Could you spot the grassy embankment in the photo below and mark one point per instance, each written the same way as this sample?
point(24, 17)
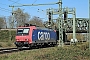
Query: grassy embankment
point(5, 40)
point(52, 53)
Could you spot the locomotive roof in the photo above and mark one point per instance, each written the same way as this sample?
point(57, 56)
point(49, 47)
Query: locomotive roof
point(42, 28)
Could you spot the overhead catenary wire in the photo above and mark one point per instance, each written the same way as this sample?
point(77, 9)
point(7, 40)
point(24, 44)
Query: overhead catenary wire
point(34, 1)
point(15, 2)
point(30, 7)
point(39, 10)
point(3, 4)
point(5, 10)
point(18, 1)
point(21, 4)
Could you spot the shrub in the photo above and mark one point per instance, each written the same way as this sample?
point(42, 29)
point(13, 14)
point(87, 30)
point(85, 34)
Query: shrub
point(5, 35)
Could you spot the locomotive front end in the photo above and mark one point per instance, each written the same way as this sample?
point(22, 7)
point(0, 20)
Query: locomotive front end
point(22, 37)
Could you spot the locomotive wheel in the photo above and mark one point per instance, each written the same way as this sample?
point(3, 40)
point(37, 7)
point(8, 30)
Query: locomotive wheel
point(20, 48)
point(30, 47)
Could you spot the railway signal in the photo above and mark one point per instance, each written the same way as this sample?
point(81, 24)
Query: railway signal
point(65, 16)
point(49, 16)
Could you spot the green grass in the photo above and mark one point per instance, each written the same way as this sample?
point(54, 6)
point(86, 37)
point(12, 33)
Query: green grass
point(7, 44)
point(52, 53)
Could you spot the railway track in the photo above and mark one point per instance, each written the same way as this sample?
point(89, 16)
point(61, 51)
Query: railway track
point(8, 50)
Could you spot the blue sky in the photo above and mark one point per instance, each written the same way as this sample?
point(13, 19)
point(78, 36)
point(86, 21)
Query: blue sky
point(80, 5)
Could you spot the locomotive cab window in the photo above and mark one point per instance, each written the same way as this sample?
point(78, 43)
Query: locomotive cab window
point(23, 31)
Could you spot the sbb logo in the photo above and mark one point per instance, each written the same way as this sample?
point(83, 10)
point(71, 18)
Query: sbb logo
point(43, 36)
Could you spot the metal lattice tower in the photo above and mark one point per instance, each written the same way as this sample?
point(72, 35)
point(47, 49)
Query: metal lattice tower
point(60, 22)
point(89, 24)
point(74, 24)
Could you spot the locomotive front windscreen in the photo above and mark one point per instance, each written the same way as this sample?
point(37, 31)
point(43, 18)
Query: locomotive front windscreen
point(23, 31)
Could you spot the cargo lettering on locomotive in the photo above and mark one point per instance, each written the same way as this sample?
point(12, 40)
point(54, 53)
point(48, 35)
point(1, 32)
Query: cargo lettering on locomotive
point(43, 35)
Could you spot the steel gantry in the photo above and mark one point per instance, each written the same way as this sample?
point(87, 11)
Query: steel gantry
point(68, 24)
point(63, 22)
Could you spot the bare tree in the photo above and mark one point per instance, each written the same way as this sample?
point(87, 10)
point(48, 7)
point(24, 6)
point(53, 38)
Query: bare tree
point(5, 26)
point(21, 17)
point(11, 23)
point(36, 21)
point(2, 22)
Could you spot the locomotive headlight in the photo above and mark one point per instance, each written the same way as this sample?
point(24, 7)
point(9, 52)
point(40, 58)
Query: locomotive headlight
point(17, 39)
point(26, 39)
